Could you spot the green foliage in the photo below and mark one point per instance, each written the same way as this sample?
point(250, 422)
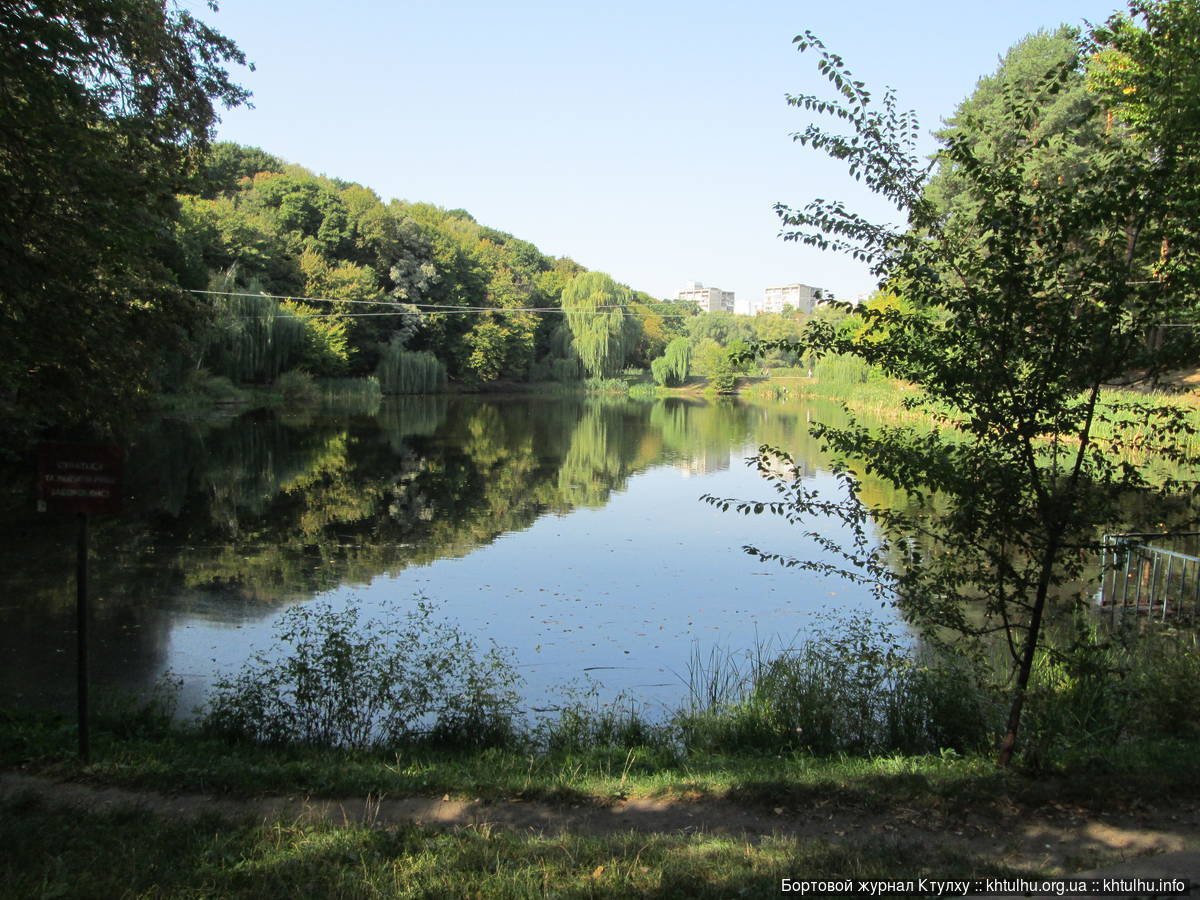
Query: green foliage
point(852, 689)
point(254, 339)
point(104, 106)
point(298, 388)
point(1033, 285)
point(584, 722)
point(660, 371)
point(722, 327)
point(718, 364)
point(360, 396)
point(602, 331)
point(226, 164)
point(404, 372)
point(643, 391)
point(707, 357)
point(1066, 133)
point(337, 682)
point(1110, 687)
point(722, 381)
point(842, 369)
point(606, 385)
point(671, 369)
point(327, 347)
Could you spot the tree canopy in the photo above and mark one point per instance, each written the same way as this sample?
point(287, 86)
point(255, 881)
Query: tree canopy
point(603, 332)
point(106, 106)
point(1045, 274)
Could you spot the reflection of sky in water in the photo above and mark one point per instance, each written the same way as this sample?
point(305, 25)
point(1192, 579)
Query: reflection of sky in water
point(625, 591)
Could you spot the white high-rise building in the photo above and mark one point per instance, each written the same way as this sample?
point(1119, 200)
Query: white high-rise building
point(798, 296)
point(709, 299)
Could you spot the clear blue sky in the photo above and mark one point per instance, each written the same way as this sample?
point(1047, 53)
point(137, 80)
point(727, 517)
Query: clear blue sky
point(646, 139)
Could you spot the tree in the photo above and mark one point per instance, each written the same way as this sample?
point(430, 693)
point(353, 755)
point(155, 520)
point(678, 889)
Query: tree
point(671, 369)
point(982, 119)
point(1029, 295)
point(105, 106)
point(722, 327)
point(226, 164)
point(602, 330)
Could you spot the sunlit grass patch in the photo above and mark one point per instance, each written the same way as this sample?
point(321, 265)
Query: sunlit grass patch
point(71, 852)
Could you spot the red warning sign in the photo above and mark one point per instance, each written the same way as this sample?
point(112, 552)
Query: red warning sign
point(79, 478)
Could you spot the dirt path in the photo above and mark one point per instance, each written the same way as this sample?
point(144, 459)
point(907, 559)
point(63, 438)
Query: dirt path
point(1057, 839)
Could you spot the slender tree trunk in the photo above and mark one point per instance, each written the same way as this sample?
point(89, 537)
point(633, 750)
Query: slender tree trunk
point(1029, 651)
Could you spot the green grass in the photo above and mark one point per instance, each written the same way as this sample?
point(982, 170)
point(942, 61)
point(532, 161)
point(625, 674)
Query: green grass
point(176, 758)
point(126, 853)
point(51, 851)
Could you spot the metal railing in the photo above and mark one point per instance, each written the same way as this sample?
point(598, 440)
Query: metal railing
point(1153, 574)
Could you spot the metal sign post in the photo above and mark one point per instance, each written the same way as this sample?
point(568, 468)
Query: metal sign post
point(81, 642)
point(84, 479)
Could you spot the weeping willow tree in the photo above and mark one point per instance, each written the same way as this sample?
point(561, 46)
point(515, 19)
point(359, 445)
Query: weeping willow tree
point(603, 330)
point(406, 372)
point(253, 339)
point(598, 460)
point(671, 369)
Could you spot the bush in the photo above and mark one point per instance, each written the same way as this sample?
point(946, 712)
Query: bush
point(339, 683)
point(643, 391)
point(1105, 689)
point(606, 386)
point(298, 388)
point(722, 382)
point(854, 689)
point(217, 388)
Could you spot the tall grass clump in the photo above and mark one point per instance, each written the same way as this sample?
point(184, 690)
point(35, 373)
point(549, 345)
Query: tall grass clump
point(333, 681)
point(403, 372)
point(854, 689)
point(606, 386)
point(643, 391)
point(358, 395)
point(843, 369)
point(1106, 689)
point(585, 722)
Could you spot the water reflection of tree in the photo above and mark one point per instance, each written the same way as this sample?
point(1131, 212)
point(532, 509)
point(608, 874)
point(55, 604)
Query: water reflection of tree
point(229, 517)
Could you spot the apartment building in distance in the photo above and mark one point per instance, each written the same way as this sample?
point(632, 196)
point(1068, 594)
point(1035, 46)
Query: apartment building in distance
point(708, 299)
point(798, 296)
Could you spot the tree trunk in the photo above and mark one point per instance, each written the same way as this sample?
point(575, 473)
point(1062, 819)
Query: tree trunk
point(1009, 744)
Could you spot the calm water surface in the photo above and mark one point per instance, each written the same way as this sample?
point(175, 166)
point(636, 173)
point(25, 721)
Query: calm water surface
point(568, 530)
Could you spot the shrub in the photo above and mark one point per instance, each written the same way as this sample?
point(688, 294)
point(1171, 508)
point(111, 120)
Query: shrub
point(217, 388)
point(298, 388)
point(338, 683)
point(853, 689)
point(723, 381)
point(643, 391)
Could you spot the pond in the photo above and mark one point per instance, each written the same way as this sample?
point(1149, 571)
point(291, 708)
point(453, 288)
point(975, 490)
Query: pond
point(568, 530)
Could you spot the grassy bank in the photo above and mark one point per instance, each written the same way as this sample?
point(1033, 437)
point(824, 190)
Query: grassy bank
point(732, 797)
point(172, 758)
point(834, 817)
point(408, 705)
point(126, 853)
